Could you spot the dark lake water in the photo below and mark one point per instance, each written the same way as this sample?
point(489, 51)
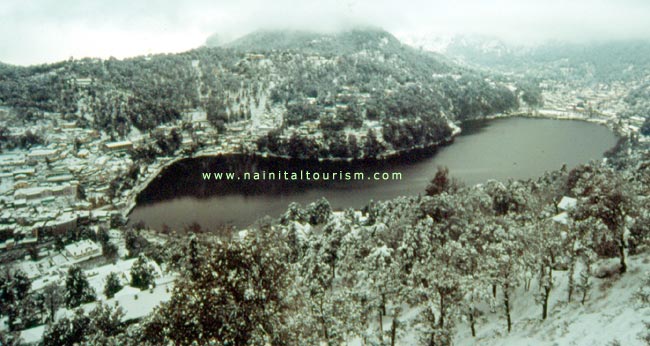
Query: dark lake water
point(496, 149)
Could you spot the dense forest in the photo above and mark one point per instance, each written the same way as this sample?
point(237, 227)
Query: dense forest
point(315, 276)
point(340, 80)
point(450, 258)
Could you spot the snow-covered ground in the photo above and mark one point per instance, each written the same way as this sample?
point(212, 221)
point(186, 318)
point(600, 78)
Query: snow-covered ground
point(134, 302)
point(610, 314)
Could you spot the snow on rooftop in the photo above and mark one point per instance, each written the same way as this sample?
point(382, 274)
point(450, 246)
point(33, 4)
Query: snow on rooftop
point(30, 268)
point(562, 218)
point(32, 335)
point(42, 152)
point(118, 145)
point(12, 157)
point(567, 203)
point(58, 260)
point(83, 248)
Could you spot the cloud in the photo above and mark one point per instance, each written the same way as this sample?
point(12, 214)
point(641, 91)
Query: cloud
point(39, 31)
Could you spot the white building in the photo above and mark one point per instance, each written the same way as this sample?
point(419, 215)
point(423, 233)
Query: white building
point(116, 146)
point(565, 205)
point(32, 193)
point(12, 160)
point(84, 249)
point(43, 154)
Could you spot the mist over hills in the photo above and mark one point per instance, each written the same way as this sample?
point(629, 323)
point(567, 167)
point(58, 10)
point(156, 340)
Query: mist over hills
point(461, 263)
point(338, 43)
point(589, 61)
point(340, 80)
point(344, 42)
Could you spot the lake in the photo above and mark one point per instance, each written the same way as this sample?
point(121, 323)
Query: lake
point(518, 148)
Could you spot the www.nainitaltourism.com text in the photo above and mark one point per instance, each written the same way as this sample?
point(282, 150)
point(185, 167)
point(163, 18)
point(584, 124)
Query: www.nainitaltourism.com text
point(302, 175)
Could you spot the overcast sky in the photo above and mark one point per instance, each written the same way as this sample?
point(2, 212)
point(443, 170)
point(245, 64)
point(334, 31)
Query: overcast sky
point(36, 31)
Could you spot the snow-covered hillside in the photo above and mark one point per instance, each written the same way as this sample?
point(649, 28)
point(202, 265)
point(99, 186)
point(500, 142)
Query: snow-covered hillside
point(611, 313)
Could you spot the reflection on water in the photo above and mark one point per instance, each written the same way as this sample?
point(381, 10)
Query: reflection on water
point(498, 149)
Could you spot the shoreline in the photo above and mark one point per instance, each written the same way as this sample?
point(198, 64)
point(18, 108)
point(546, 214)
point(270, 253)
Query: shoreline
point(556, 114)
point(551, 114)
point(133, 193)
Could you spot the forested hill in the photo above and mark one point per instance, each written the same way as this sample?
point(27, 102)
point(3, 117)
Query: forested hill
point(601, 62)
point(342, 43)
point(338, 80)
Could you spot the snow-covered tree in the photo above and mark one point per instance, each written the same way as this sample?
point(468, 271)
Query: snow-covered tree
point(135, 242)
point(14, 289)
point(506, 198)
point(319, 211)
point(438, 279)
point(548, 248)
point(609, 197)
point(239, 298)
point(100, 326)
point(105, 322)
point(331, 311)
point(380, 283)
point(112, 285)
point(143, 273)
point(67, 331)
point(52, 297)
point(78, 290)
point(294, 213)
point(442, 182)
point(194, 259)
point(505, 258)
point(640, 229)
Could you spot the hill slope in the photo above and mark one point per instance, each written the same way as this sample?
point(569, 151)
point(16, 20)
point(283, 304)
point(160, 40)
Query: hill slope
point(340, 81)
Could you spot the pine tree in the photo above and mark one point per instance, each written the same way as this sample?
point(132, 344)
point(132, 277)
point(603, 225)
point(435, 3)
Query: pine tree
point(319, 211)
point(372, 147)
point(584, 285)
point(353, 146)
point(14, 289)
point(294, 213)
point(135, 243)
point(52, 298)
point(112, 285)
point(547, 246)
point(195, 259)
point(78, 290)
point(382, 286)
point(142, 273)
point(67, 331)
point(507, 255)
point(442, 182)
point(101, 326)
point(106, 321)
point(609, 197)
point(239, 298)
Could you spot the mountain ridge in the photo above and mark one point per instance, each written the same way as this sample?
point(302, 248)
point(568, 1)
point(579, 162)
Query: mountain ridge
point(283, 79)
